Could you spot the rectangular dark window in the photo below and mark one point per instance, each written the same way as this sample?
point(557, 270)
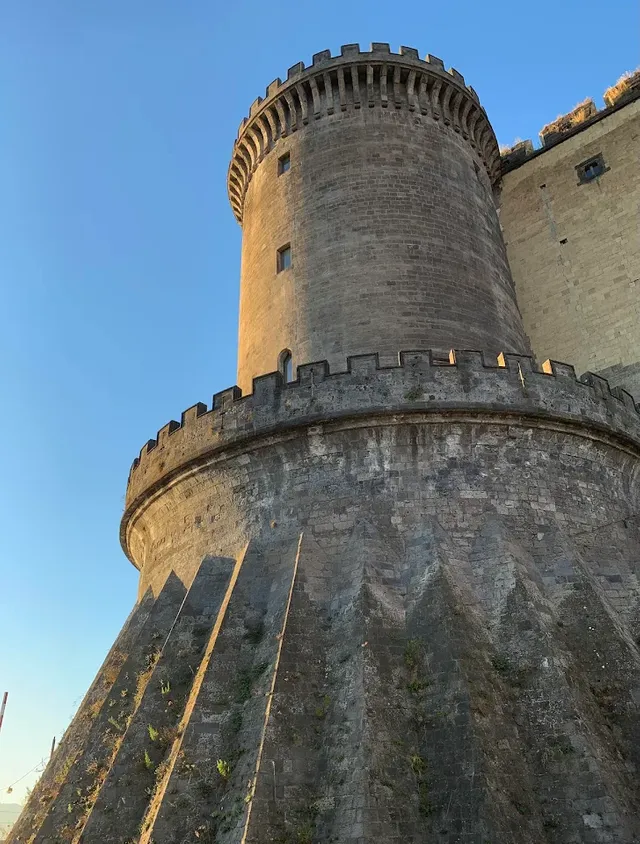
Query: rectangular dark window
point(591, 169)
point(283, 260)
point(285, 365)
point(284, 163)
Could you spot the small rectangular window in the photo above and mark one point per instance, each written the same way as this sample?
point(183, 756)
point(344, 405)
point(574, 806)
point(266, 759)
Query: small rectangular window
point(284, 163)
point(591, 169)
point(283, 261)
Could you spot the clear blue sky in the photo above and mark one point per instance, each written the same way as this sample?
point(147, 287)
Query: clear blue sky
point(119, 260)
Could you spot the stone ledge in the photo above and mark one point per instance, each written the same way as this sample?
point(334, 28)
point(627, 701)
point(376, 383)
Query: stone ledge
point(428, 381)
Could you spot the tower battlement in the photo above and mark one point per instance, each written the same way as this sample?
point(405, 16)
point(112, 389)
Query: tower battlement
point(425, 382)
point(358, 79)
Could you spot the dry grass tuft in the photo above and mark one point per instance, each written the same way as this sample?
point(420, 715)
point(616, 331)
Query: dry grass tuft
point(63, 772)
point(583, 111)
point(167, 736)
point(506, 149)
point(94, 709)
point(628, 80)
point(142, 681)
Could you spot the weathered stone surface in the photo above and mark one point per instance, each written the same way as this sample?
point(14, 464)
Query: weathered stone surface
point(69, 811)
point(154, 727)
point(388, 209)
point(72, 745)
point(468, 678)
point(423, 383)
point(574, 248)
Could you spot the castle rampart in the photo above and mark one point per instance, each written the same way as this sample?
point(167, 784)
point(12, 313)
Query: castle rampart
point(492, 512)
point(425, 388)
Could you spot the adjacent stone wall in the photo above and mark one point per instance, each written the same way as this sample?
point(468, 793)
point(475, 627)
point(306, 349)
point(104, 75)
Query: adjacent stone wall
point(574, 249)
point(627, 377)
point(388, 211)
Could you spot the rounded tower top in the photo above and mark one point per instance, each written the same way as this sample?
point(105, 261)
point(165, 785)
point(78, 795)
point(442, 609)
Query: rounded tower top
point(359, 79)
point(364, 186)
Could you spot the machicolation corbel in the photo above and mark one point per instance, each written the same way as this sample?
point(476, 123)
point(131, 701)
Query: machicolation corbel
point(376, 77)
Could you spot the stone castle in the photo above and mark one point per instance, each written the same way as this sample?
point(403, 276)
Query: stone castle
point(389, 584)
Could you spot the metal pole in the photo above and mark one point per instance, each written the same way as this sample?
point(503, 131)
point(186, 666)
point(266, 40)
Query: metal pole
point(53, 746)
point(4, 705)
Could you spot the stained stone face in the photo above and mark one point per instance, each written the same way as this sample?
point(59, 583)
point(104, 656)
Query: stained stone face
point(410, 629)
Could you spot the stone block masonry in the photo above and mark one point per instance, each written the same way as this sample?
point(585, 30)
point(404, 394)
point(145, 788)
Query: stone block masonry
point(466, 527)
point(430, 384)
point(457, 657)
point(574, 248)
point(387, 208)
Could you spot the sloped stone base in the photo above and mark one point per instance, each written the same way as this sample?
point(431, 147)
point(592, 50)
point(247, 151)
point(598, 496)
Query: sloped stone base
point(364, 691)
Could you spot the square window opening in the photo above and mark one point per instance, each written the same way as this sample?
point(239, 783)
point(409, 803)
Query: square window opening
point(591, 169)
point(284, 163)
point(283, 259)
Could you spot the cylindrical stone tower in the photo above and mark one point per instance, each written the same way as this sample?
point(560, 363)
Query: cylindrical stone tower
point(363, 185)
point(391, 596)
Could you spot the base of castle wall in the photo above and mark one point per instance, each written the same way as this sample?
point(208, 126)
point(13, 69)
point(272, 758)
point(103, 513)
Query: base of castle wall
point(391, 628)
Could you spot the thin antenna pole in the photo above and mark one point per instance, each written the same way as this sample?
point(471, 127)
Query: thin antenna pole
point(4, 706)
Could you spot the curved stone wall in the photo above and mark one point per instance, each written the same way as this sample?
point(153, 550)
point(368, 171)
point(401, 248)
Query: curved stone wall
point(251, 458)
point(388, 212)
point(502, 545)
point(431, 620)
point(395, 470)
point(423, 381)
point(359, 79)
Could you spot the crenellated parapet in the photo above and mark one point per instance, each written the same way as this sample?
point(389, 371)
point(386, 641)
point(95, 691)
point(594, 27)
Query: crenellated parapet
point(624, 89)
point(354, 80)
point(565, 123)
point(586, 113)
point(423, 382)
